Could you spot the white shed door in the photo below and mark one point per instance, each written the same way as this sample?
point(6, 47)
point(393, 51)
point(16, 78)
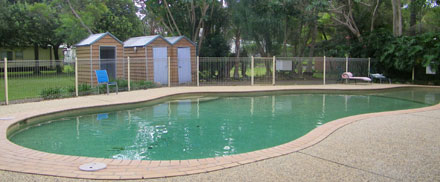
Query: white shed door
point(184, 62)
point(160, 62)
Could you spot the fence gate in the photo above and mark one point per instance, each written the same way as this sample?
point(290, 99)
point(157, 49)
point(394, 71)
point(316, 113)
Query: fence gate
point(184, 62)
point(160, 62)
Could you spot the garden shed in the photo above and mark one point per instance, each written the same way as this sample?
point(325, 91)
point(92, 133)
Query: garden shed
point(183, 60)
point(101, 51)
point(148, 58)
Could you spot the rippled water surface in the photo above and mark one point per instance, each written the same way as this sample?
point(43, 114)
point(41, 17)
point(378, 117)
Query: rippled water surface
point(209, 126)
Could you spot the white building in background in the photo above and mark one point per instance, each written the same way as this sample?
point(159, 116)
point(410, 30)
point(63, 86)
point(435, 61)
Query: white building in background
point(69, 54)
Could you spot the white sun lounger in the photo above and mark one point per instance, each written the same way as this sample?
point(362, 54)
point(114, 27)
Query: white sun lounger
point(349, 76)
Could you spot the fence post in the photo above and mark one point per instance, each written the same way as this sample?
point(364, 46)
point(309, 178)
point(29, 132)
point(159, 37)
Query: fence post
point(369, 66)
point(323, 73)
point(6, 81)
point(128, 72)
point(346, 67)
point(273, 70)
point(169, 72)
point(198, 71)
point(252, 70)
point(76, 77)
point(412, 77)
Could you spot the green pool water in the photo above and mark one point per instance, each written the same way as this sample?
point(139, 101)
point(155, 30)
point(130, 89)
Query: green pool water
point(208, 126)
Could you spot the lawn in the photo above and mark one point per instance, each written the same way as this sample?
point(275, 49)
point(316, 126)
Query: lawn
point(30, 86)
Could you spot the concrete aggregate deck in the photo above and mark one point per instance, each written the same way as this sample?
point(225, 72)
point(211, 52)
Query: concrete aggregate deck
point(390, 146)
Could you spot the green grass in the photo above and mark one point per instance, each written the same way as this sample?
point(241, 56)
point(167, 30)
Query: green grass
point(31, 86)
point(258, 71)
point(318, 75)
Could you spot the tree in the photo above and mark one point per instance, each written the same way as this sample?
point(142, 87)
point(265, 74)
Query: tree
point(79, 17)
point(120, 19)
point(41, 23)
point(237, 12)
point(191, 15)
point(82, 17)
point(397, 18)
point(344, 11)
point(431, 20)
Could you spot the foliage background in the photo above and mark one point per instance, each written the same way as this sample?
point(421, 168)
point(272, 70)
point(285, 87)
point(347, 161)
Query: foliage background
point(294, 28)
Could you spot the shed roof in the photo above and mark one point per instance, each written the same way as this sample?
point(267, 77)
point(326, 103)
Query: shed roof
point(142, 41)
point(94, 38)
point(174, 40)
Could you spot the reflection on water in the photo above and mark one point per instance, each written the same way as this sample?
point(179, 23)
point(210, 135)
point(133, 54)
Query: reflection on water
point(208, 127)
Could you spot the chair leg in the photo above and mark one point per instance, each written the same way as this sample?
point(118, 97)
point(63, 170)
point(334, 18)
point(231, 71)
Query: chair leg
point(107, 90)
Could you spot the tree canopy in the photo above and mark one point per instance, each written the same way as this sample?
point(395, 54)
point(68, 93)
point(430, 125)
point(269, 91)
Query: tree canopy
point(400, 33)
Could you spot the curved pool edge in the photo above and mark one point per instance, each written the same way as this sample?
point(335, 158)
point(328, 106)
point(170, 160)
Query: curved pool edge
point(19, 159)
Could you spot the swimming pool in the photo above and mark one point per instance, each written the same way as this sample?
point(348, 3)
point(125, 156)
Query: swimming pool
point(190, 127)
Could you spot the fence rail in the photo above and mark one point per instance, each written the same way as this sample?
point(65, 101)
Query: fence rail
point(30, 80)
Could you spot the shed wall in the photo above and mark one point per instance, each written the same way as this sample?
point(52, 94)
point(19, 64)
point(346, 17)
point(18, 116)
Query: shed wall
point(138, 63)
point(83, 56)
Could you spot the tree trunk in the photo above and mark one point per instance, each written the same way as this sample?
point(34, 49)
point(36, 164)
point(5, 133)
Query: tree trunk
point(413, 18)
point(199, 47)
point(312, 47)
point(200, 26)
point(244, 68)
point(57, 58)
point(300, 45)
point(172, 17)
point(237, 54)
point(374, 15)
point(50, 57)
point(397, 18)
point(285, 37)
point(79, 18)
point(37, 57)
point(301, 54)
point(270, 54)
point(346, 18)
point(296, 49)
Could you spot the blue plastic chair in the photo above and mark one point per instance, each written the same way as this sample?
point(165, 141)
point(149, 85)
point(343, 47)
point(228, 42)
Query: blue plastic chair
point(102, 77)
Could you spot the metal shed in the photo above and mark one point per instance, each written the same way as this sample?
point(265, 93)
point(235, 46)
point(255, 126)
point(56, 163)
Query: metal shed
point(148, 58)
point(99, 51)
point(183, 60)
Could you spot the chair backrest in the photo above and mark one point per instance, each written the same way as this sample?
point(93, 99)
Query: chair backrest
point(102, 76)
point(347, 75)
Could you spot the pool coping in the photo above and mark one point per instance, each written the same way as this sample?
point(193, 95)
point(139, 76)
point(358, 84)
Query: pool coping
point(19, 159)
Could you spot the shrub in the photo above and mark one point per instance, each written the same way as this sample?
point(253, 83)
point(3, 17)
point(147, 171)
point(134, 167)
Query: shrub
point(142, 85)
point(83, 89)
point(122, 84)
point(52, 93)
point(68, 69)
point(135, 85)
